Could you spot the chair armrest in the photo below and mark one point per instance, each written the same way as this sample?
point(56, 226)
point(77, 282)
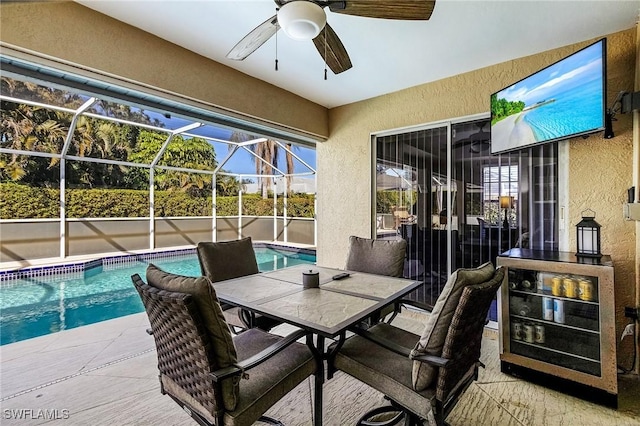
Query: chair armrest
point(398, 349)
point(398, 303)
point(419, 305)
point(380, 341)
point(436, 361)
point(259, 358)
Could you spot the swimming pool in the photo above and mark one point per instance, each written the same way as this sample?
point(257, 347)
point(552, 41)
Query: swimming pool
point(39, 305)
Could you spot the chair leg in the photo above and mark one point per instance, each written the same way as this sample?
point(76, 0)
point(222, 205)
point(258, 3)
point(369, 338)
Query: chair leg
point(367, 418)
point(410, 419)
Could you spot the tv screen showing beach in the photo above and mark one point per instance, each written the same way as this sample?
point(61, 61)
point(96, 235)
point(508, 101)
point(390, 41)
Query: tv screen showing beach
point(563, 100)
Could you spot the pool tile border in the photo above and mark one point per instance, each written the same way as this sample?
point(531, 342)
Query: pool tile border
point(78, 269)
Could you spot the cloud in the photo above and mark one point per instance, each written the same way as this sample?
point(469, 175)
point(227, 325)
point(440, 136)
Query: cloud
point(542, 91)
point(570, 75)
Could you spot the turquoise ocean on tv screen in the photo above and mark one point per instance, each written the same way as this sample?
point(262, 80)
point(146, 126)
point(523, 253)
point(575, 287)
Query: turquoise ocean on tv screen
point(575, 111)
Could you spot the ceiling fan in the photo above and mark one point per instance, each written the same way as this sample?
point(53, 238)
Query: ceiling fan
point(477, 142)
point(306, 20)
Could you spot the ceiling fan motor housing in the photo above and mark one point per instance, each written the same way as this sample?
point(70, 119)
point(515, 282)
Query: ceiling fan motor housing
point(301, 19)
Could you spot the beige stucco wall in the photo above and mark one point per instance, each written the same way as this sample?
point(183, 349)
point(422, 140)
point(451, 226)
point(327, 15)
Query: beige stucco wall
point(74, 35)
point(600, 171)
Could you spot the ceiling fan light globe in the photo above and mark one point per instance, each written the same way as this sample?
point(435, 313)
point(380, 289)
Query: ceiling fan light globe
point(302, 20)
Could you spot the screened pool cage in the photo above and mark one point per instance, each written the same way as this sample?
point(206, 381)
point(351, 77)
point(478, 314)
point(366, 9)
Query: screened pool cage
point(86, 160)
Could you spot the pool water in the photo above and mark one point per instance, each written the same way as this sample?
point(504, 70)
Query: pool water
point(37, 306)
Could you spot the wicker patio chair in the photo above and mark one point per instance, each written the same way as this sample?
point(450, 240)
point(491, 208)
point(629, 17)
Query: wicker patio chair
point(424, 376)
point(225, 260)
point(216, 378)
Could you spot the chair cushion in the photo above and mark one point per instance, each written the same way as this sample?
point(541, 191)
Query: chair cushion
point(224, 260)
point(384, 370)
point(381, 257)
point(437, 326)
point(204, 295)
point(269, 381)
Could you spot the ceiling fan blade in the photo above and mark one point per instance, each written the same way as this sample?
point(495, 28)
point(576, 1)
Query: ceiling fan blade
point(256, 38)
point(385, 9)
point(336, 57)
point(478, 147)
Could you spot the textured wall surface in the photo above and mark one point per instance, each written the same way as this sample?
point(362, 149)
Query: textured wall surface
point(74, 34)
point(600, 170)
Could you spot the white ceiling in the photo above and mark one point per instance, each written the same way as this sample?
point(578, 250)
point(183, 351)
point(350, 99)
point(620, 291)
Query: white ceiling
point(387, 55)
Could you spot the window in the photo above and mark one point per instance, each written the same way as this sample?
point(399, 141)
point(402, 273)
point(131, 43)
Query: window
point(500, 195)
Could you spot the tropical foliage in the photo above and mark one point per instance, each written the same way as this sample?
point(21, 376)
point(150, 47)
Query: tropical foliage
point(26, 202)
point(194, 153)
point(502, 108)
point(34, 128)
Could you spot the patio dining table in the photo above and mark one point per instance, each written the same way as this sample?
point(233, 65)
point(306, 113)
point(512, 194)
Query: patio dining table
point(326, 311)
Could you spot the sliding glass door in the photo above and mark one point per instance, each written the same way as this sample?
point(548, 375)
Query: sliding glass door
point(439, 188)
point(413, 196)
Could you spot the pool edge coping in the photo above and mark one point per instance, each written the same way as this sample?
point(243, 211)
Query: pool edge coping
point(81, 266)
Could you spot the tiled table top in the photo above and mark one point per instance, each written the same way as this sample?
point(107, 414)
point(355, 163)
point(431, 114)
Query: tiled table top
point(327, 310)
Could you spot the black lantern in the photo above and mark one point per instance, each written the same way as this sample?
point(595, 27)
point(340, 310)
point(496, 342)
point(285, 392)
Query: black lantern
point(588, 233)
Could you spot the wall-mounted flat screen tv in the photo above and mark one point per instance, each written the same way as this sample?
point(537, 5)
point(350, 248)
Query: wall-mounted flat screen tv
point(561, 101)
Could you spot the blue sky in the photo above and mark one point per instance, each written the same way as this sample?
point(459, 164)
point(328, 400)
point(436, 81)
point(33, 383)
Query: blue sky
point(574, 70)
point(242, 161)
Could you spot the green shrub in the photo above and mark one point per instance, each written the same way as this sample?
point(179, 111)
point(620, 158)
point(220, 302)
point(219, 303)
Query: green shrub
point(107, 203)
point(26, 202)
point(227, 206)
point(178, 203)
point(387, 200)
